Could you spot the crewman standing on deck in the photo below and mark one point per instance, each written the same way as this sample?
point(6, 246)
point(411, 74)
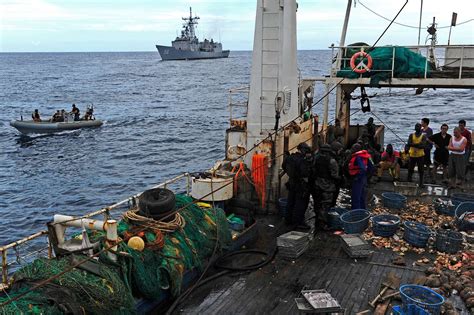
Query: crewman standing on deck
point(417, 145)
point(457, 163)
point(466, 133)
point(338, 151)
point(326, 176)
point(428, 132)
point(360, 166)
point(298, 167)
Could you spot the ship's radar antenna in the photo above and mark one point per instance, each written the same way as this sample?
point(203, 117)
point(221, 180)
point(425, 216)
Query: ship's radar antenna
point(190, 23)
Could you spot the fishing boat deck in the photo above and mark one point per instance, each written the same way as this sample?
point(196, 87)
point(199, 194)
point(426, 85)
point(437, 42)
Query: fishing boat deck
point(273, 288)
point(325, 265)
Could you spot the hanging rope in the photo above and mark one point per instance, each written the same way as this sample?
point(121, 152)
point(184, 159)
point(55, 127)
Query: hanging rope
point(259, 176)
point(396, 135)
point(240, 173)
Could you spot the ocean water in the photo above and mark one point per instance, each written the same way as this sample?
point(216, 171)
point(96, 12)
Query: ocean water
point(161, 119)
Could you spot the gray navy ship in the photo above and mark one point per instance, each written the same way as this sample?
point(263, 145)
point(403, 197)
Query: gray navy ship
point(187, 46)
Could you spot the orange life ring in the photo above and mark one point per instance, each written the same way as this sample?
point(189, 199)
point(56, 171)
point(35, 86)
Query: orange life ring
point(361, 67)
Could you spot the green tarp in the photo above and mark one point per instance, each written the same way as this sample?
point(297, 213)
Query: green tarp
point(408, 64)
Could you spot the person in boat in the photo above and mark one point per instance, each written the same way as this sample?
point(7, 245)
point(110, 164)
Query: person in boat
point(440, 141)
point(389, 162)
point(88, 115)
point(36, 116)
point(428, 132)
point(297, 166)
point(466, 133)
point(417, 145)
point(76, 112)
point(56, 116)
point(360, 165)
point(457, 162)
point(326, 176)
point(63, 115)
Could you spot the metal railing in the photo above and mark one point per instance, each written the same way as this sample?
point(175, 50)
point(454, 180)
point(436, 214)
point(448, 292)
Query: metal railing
point(12, 254)
point(238, 101)
point(450, 62)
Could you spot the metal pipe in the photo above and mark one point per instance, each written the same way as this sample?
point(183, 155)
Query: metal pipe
point(4, 267)
point(344, 32)
point(461, 62)
point(71, 221)
point(23, 240)
point(393, 60)
point(419, 25)
point(112, 237)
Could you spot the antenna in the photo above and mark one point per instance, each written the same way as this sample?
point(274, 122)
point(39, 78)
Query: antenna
point(453, 23)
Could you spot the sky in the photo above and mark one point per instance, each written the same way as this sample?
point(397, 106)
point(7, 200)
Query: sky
point(137, 25)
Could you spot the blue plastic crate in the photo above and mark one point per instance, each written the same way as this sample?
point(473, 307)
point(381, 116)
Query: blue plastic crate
point(458, 198)
point(355, 221)
point(394, 200)
point(444, 206)
point(385, 225)
point(409, 310)
point(421, 296)
point(462, 210)
point(416, 234)
point(448, 241)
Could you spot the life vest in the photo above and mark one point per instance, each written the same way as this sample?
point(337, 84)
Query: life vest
point(415, 152)
point(353, 167)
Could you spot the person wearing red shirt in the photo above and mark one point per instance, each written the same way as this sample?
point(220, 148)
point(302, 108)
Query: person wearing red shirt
point(389, 162)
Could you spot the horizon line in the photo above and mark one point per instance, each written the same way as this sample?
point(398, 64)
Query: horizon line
point(119, 51)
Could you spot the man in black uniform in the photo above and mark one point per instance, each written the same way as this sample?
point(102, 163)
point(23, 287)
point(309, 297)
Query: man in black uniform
point(297, 166)
point(326, 175)
point(338, 154)
point(76, 112)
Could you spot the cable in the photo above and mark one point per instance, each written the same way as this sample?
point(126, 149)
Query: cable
point(391, 22)
point(220, 261)
point(228, 269)
point(396, 135)
point(406, 25)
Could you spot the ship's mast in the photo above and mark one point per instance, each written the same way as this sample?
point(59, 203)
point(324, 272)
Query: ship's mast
point(190, 22)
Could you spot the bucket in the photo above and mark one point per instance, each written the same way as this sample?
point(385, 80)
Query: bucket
point(422, 296)
point(355, 221)
point(416, 234)
point(448, 241)
point(385, 225)
point(444, 206)
point(465, 216)
point(394, 200)
point(458, 198)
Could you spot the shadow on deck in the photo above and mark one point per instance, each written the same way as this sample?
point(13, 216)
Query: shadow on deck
point(273, 288)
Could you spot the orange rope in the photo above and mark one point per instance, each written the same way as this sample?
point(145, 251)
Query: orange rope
point(259, 176)
point(240, 173)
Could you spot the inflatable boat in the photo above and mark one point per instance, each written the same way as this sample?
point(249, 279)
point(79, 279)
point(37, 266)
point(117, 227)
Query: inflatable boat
point(29, 126)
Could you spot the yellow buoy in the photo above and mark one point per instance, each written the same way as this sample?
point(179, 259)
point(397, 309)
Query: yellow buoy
point(136, 243)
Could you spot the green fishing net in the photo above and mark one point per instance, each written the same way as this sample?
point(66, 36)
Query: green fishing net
point(107, 287)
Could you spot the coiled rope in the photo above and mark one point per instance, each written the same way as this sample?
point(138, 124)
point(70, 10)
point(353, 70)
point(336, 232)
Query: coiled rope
point(178, 222)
